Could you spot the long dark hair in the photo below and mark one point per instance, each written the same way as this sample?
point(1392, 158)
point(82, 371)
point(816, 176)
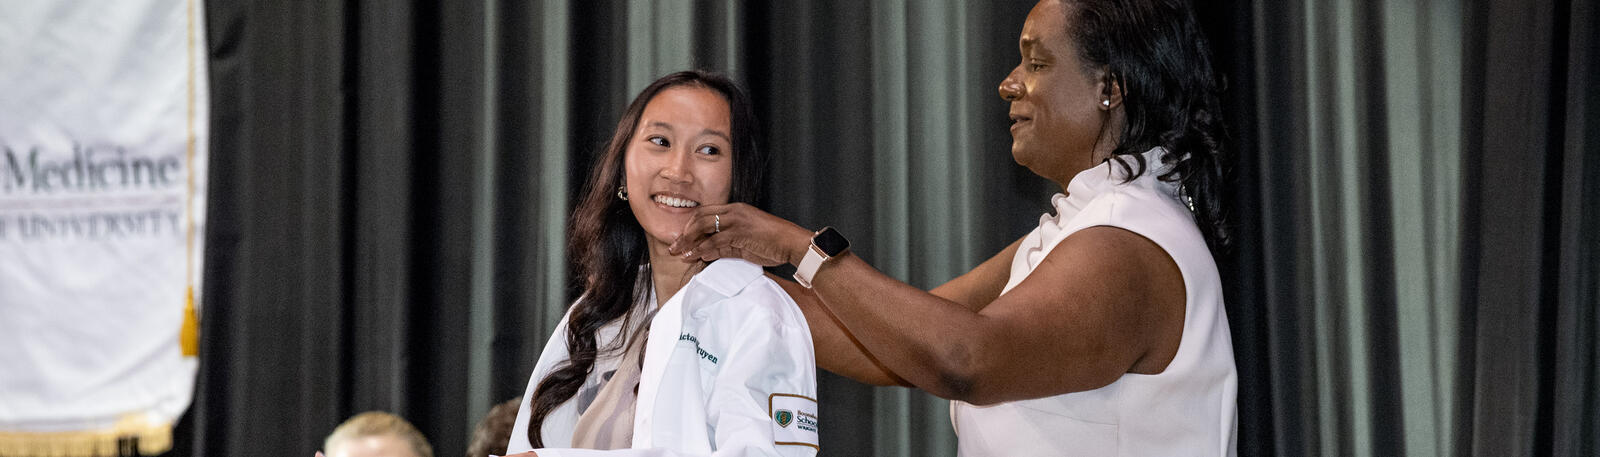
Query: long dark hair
point(1156, 53)
point(611, 246)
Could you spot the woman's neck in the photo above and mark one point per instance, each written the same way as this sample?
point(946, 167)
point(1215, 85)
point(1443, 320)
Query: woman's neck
point(669, 272)
point(1104, 145)
point(1102, 152)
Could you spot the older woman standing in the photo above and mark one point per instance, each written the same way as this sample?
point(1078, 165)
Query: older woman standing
point(1103, 331)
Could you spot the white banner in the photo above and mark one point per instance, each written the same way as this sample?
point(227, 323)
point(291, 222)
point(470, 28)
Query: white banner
point(103, 116)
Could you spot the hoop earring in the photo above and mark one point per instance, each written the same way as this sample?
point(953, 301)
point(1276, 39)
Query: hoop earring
point(622, 192)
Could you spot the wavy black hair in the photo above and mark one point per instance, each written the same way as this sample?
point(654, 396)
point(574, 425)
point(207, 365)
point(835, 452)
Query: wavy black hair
point(611, 246)
point(1156, 53)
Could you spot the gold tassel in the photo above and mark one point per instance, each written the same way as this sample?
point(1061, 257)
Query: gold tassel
point(189, 333)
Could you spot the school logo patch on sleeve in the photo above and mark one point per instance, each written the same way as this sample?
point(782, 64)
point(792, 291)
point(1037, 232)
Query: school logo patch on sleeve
point(794, 419)
point(784, 417)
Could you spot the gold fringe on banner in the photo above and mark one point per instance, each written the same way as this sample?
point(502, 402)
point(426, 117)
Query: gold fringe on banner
point(121, 439)
point(189, 333)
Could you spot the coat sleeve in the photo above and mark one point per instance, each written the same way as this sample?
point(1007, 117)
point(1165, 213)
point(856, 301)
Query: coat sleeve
point(769, 366)
point(555, 351)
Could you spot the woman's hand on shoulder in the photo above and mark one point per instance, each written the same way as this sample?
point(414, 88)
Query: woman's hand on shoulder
point(738, 230)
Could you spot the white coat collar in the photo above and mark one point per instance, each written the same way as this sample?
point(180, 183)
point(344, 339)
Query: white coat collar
point(728, 276)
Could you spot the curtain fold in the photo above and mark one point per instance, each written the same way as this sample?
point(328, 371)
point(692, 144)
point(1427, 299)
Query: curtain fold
point(1527, 168)
point(244, 348)
point(1575, 426)
point(1415, 203)
point(1407, 175)
point(1322, 275)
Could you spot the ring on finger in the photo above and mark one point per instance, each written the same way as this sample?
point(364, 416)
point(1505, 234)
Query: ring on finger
point(716, 220)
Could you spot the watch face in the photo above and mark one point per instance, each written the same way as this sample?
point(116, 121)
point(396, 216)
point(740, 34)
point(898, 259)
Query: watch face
point(830, 242)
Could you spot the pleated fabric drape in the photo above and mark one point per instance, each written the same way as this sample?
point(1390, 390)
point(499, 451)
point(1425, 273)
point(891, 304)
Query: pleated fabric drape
point(1415, 200)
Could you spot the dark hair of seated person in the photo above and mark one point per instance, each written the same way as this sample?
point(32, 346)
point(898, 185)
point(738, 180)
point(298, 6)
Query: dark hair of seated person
point(494, 430)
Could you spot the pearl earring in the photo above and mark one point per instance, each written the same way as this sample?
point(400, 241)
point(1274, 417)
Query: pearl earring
point(1105, 103)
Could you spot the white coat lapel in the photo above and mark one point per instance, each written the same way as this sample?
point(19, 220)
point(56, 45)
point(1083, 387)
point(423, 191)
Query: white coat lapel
point(720, 280)
point(658, 349)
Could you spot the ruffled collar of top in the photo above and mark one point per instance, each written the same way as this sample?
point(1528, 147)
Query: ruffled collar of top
point(1083, 188)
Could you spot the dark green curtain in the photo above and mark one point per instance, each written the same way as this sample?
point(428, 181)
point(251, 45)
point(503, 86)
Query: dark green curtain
point(1530, 241)
point(1415, 202)
point(342, 241)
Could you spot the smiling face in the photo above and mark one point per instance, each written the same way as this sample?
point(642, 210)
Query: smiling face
point(1056, 103)
point(680, 157)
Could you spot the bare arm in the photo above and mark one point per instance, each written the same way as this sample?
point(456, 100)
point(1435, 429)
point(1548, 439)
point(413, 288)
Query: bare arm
point(1103, 303)
point(841, 353)
point(837, 351)
point(977, 288)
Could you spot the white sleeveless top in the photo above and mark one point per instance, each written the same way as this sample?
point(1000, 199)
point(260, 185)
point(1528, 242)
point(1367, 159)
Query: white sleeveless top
point(1189, 409)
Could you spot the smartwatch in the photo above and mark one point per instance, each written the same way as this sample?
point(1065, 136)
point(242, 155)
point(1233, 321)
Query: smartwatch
point(825, 244)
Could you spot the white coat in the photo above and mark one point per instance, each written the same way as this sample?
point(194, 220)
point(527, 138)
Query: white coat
point(728, 371)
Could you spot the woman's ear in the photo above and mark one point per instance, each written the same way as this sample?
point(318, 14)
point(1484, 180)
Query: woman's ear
point(1110, 91)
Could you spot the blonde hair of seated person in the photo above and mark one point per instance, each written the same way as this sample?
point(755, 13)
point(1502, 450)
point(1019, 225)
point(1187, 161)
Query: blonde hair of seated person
point(376, 434)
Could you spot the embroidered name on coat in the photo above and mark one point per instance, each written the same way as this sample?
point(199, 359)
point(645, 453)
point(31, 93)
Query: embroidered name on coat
point(703, 354)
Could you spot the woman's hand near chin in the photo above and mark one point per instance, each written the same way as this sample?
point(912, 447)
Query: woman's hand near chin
point(738, 230)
